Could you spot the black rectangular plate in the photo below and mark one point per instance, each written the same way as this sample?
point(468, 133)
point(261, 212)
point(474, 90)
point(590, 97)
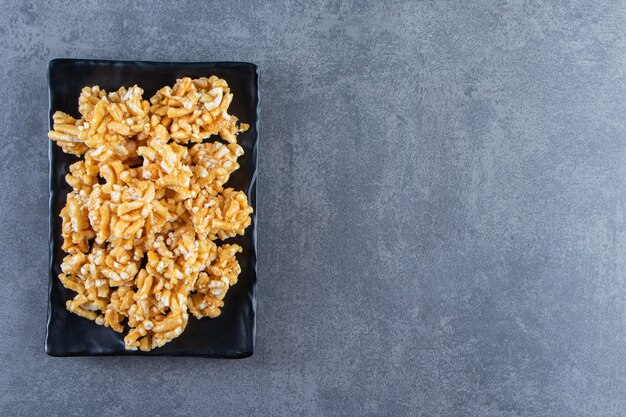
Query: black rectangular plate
point(231, 335)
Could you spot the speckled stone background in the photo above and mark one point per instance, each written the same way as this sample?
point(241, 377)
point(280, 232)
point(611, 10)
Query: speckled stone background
point(441, 208)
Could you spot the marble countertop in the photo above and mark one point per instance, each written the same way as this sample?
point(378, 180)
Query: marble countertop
point(441, 208)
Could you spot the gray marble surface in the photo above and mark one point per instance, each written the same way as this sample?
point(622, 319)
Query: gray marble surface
point(441, 208)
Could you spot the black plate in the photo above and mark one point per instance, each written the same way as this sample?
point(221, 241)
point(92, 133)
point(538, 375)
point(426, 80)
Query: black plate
point(231, 335)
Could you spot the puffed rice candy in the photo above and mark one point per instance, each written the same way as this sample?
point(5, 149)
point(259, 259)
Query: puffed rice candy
point(196, 109)
point(139, 223)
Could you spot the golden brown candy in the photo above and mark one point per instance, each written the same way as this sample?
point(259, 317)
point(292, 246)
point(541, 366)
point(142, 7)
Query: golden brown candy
point(139, 223)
